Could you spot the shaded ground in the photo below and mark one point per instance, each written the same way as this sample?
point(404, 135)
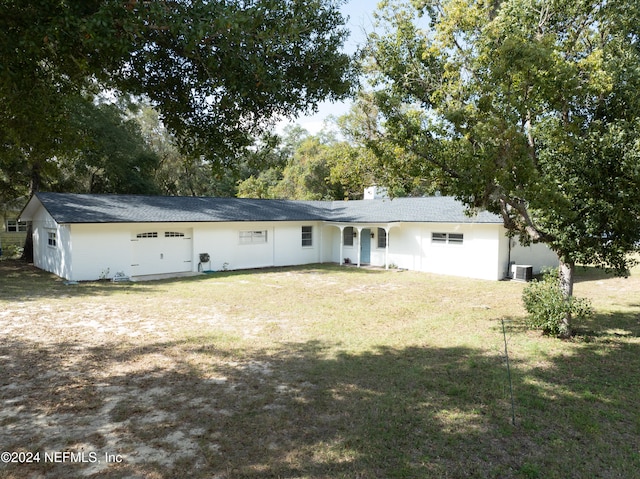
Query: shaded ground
point(394, 375)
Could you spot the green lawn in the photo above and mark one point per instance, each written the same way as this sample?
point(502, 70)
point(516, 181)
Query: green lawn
point(316, 372)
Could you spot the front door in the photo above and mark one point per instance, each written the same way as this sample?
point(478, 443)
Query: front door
point(365, 246)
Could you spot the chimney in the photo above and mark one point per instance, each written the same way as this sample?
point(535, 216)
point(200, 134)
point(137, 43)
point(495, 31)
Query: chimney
point(375, 193)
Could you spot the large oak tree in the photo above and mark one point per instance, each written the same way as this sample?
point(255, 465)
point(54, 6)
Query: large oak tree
point(527, 108)
point(216, 70)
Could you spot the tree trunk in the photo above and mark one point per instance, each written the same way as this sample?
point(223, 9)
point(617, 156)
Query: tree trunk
point(34, 187)
point(27, 251)
point(566, 271)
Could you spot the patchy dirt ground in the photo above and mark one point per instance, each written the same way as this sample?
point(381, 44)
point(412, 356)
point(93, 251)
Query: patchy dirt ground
point(99, 386)
point(150, 380)
point(336, 373)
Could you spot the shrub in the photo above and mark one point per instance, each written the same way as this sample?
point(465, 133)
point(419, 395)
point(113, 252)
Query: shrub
point(11, 251)
point(547, 307)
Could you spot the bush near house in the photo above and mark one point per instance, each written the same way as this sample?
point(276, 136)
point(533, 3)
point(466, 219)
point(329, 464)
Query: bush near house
point(547, 307)
point(10, 251)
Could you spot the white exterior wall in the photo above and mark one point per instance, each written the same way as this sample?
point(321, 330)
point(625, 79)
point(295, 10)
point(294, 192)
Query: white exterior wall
point(101, 250)
point(87, 252)
point(504, 253)
point(350, 252)
point(411, 247)
point(330, 244)
point(222, 242)
point(283, 246)
point(378, 254)
point(288, 248)
point(482, 254)
point(55, 259)
point(537, 255)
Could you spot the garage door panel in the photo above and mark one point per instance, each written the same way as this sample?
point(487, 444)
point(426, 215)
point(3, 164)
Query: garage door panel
point(160, 252)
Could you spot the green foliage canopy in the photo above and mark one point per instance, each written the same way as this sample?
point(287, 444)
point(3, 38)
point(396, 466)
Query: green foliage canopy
point(113, 156)
point(529, 109)
point(217, 71)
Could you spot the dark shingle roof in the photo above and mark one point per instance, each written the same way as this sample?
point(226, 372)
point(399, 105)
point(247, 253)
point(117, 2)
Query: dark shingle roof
point(432, 209)
point(88, 208)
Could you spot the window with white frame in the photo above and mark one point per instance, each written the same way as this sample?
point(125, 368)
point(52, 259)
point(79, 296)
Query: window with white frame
point(15, 226)
point(347, 236)
point(52, 239)
point(150, 234)
point(253, 237)
point(307, 236)
point(447, 238)
point(173, 234)
point(382, 238)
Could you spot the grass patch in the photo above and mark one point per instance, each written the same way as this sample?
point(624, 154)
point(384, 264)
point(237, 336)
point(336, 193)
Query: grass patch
point(316, 372)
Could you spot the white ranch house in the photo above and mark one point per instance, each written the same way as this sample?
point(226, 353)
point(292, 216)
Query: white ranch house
point(87, 237)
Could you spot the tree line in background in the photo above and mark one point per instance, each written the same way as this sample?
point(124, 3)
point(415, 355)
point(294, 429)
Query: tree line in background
point(123, 147)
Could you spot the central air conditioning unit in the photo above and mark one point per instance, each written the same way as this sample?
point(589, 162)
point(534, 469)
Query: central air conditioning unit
point(521, 272)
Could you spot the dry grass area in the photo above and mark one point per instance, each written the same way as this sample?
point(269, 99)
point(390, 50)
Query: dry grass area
point(317, 372)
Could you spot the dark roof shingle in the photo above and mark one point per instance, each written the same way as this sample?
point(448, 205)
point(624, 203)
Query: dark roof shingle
point(90, 208)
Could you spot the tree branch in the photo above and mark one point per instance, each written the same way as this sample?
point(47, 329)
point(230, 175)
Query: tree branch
point(526, 224)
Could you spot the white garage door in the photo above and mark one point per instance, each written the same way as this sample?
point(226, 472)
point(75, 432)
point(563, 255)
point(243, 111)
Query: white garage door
point(159, 252)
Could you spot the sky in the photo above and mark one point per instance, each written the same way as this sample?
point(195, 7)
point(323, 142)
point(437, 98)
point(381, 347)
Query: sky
point(360, 23)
